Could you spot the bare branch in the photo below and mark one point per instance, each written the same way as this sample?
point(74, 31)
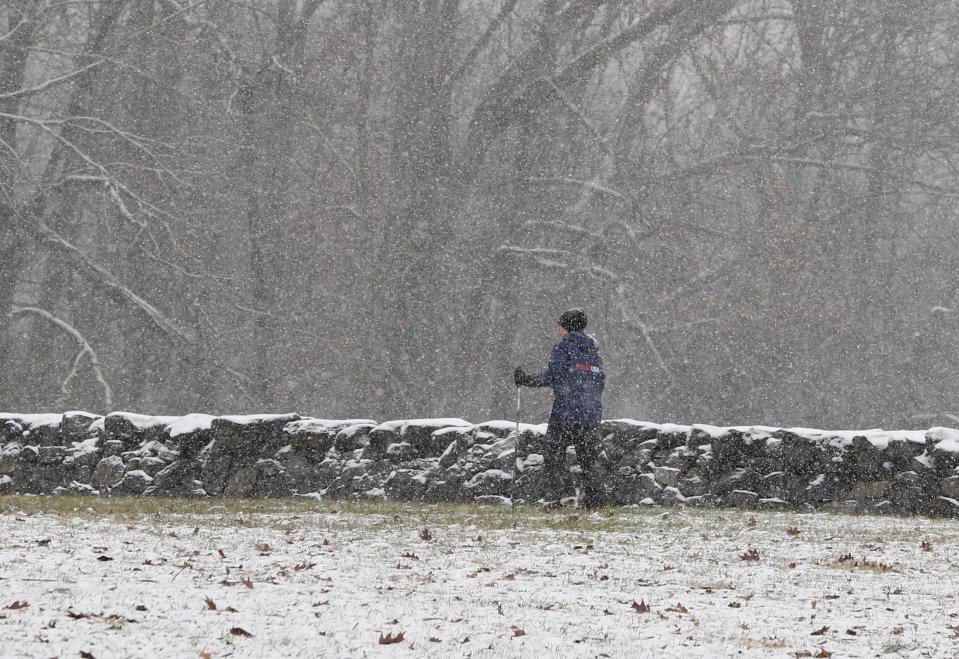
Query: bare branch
point(85, 350)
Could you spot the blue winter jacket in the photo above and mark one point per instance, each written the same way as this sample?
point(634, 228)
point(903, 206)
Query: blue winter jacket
point(576, 375)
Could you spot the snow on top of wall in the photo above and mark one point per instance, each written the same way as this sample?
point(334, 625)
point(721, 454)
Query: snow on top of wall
point(246, 419)
point(184, 425)
point(401, 425)
point(947, 439)
point(310, 425)
point(32, 420)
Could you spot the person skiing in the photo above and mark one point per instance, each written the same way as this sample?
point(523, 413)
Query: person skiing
point(575, 373)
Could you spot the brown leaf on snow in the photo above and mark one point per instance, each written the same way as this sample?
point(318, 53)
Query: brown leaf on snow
point(802, 653)
point(299, 567)
point(752, 522)
point(640, 607)
point(792, 531)
point(925, 545)
point(220, 552)
point(104, 557)
point(389, 639)
point(679, 608)
point(206, 654)
point(210, 604)
point(139, 607)
point(823, 653)
point(264, 548)
point(433, 639)
point(239, 631)
point(734, 605)
point(86, 655)
point(246, 582)
point(73, 615)
point(821, 631)
point(750, 555)
point(897, 631)
point(44, 542)
point(17, 604)
point(517, 631)
point(425, 534)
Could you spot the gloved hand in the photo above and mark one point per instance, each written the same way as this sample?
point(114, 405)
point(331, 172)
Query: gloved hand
point(519, 377)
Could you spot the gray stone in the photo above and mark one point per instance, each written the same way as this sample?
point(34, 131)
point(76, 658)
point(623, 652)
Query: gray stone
point(75, 427)
point(491, 481)
point(666, 476)
point(50, 455)
point(406, 485)
point(10, 430)
point(400, 452)
point(134, 482)
point(949, 486)
point(10, 457)
point(672, 497)
point(178, 477)
point(108, 472)
point(741, 498)
point(353, 437)
point(112, 447)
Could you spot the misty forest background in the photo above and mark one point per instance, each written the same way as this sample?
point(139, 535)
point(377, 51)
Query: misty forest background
point(379, 208)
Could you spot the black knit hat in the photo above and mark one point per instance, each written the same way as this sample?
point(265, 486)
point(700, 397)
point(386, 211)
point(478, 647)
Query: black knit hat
point(573, 320)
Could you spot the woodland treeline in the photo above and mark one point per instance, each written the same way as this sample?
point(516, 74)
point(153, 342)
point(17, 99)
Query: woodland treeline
point(379, 208)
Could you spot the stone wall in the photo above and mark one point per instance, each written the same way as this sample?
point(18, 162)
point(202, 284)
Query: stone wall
point(900, 472)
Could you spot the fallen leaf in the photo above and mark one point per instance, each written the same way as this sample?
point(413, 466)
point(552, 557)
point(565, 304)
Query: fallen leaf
point(433, 639)
point(752, 522)
point(206, 654)
point(86, 655)
point(821, 631)
point(303, 566)
point(679, 608)
point(264, 548)
point(246, 582)
point(139, 607)
point(210, 604)
point(465, 640)
point(73, 615)
point(896, 631)
point(517, 631)
point(239, 631)
point(791, 565)
point(196, 529)
point(104, 557)
point(43, 543)
point(17, 604)
point(822, 654)
point(425, 534)
point(510, 577)
point(640, 607)
point(220, 552)
point(734, 605)
point(389, 639)
point(792, 531)
point(750, 555)
point(925, 545)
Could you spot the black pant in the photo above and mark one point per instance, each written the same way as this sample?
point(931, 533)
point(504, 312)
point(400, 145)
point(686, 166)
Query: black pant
point(585, 439)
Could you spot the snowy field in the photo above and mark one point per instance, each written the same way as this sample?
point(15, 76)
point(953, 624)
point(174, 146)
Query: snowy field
point(124, 577)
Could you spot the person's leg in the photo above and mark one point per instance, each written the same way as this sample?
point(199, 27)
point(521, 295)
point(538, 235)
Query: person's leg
point(586, 441)
point(554, 460)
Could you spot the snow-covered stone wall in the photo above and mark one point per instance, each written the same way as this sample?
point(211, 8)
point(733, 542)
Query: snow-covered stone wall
point(283, 455)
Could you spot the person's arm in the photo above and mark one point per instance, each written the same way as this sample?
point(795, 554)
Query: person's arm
point(555, 374)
